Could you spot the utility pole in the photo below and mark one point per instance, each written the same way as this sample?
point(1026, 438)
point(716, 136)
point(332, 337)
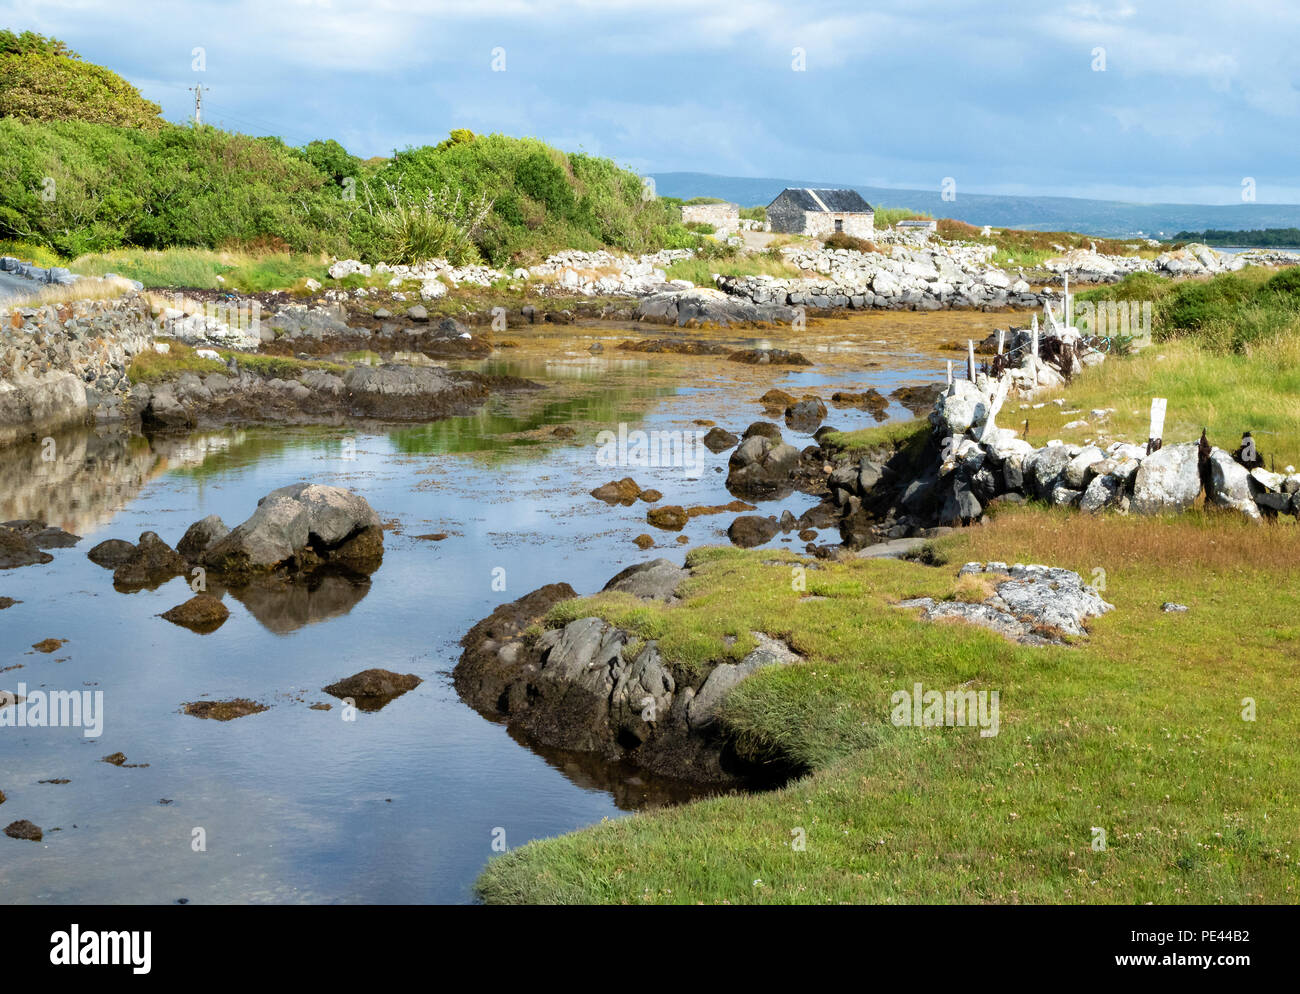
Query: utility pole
point(198, 102)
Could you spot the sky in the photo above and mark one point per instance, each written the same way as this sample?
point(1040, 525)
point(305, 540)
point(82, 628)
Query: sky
point(1179, 102)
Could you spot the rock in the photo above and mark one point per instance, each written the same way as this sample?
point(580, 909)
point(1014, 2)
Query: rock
point(372, 689)
point(764, 428)
point(200, 537)
point(750, 530)
point(301, 526)
point(111, 553)
point(761, 468)
point(153, 562)
point(1170, 607)
point(1168, 480)
point(656, 580)
point(670, 517)
point(1045, 468)
point(239, 707)
point(49, 645)
point(702, 710)
point(24, 829)
point(776, 401)
point(41, 535)
point(417, 312)
point(1230, 484)
point(624, 491)
point(644, 541)
point(202, 613)
point(805, 415)
point(651, 496)
point(1102, 492)
point(18, 550)
point(1076, 475)
point(719, 440)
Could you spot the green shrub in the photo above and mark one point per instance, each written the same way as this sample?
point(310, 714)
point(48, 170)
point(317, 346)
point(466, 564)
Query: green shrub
point(45, 86)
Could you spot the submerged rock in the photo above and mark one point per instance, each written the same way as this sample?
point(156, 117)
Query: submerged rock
point(624, 491)
point(670, 517)
point(239, 707)
point(719, 440)
point(41, 535)
point(202, 613)
point(24, 829)
point(372, 689)
point(19, 550)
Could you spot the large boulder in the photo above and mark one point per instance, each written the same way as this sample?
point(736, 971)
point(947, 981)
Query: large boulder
point(16, 549)
point(750, 530)
point(200, 537)
point(1230, 485)
point(1169, 480)
point(301, 526)
point(761, 468)
point(656, 580)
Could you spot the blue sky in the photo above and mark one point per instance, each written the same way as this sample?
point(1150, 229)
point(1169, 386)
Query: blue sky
point(1001, 96)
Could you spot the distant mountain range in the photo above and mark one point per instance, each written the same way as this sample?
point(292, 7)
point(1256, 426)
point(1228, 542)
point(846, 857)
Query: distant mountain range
point(1109, 218)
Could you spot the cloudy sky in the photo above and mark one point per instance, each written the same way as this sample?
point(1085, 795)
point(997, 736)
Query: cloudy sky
point(1170, 101)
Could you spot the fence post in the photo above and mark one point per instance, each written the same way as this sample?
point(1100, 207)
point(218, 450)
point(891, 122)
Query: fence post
point(1033, 345)
point(949, 372)
point(1155, 435)
point(970, 359)
point(1002, 339)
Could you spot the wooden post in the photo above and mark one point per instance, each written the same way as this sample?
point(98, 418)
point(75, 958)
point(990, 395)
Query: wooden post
point(970, 359)
point(1033, 346)
point(1155, 435)
point(1065, 308)
point(1002, 339)
point(949, 372)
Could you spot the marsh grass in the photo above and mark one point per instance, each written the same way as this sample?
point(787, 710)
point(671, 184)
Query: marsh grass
point(1137, 729)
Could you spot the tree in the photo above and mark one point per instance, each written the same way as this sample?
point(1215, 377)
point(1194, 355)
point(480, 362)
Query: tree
point(39, 85)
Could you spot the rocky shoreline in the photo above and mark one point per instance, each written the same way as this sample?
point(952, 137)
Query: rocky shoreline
point(590, 686)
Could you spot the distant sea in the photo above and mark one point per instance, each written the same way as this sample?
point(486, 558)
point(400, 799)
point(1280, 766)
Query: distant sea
point(1106, 218)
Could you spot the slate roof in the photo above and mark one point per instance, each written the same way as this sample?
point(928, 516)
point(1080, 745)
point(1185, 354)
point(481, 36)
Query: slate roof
point(835, 201)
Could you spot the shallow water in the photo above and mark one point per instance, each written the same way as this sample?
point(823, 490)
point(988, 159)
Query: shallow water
point(400, 805)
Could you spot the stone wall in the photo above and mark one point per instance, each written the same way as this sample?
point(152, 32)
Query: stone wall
point(65, 364)
point(821, 224)
point(725, 218)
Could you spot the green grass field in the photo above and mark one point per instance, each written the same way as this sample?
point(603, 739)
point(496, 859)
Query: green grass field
point(1137, 730)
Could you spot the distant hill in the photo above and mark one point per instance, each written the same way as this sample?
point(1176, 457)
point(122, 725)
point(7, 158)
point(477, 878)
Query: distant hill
point(1110, 218)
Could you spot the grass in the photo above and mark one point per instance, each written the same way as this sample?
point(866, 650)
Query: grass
point(157, 367)
point(31, 252)
point(199, 268)
point(1030, 249)
point(700, 271)
point(66, 294)
point(1138, 730)
point(1228, 394)
point(894, 435)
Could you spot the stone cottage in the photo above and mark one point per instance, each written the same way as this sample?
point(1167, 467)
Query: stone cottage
point(725, 218)
point(821, 213)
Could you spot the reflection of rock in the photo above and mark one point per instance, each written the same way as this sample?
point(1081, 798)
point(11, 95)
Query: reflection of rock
point(370, 690)
point(202, 613)
point(224, 710)
point(284, 604)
